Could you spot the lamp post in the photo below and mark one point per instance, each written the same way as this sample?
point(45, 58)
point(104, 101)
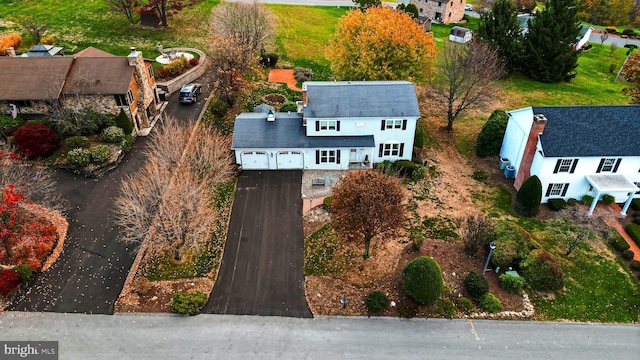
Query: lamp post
point(492, 246)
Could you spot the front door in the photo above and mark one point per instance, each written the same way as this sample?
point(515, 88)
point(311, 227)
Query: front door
point(353, 155)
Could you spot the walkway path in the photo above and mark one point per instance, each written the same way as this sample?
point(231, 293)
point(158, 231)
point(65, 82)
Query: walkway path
point(616, 224)
point(284, 76)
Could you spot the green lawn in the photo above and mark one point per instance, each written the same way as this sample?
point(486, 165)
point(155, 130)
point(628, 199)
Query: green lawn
point(77, 24)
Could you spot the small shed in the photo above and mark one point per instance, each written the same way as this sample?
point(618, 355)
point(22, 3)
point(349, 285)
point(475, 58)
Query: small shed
point(460, 35)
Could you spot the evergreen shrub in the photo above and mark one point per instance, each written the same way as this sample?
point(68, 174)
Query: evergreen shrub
point(422, 280)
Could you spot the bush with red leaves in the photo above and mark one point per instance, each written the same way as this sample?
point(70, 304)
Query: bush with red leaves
point(36, 140)
point(9, 280)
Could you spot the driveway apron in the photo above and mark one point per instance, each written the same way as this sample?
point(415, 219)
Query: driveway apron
point(262, 271)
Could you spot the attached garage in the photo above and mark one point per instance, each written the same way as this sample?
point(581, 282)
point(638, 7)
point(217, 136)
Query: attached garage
point(290, 160)
point(254, 160)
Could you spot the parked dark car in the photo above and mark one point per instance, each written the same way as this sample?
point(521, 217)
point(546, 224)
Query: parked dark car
point(189, 93)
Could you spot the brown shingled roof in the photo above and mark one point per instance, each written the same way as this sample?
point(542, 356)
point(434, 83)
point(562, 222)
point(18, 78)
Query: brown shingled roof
point(93, 52)
point(38, 78)
point(99, 76)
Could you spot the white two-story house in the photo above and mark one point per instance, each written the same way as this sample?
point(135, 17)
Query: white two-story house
point(576, 150)
point(338, 126)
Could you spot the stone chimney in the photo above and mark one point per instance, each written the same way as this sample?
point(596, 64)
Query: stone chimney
point(11, 51)
point(135, 57)
point(524, 171)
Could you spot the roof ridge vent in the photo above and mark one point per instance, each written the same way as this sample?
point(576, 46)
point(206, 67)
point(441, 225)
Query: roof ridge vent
point(539, 118)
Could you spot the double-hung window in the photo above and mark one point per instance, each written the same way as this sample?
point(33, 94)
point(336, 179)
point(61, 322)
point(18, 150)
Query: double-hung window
point(394, 124)
point(391, 149)
point(557, 189)
point(121, 100)
point(328, 125)
point(565, 166)
point(327, 156)
point(608, 165)
point(130, 96)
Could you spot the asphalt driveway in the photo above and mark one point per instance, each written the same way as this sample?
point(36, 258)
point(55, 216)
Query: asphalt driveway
point(91, 271)
point(262, 271)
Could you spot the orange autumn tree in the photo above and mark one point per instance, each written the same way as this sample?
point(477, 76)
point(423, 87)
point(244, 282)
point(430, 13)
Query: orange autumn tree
point(381, 44)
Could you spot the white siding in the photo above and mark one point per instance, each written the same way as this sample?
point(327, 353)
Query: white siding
point(308, 154)
point(629, 167)
point(515, 136)
point(371, 126)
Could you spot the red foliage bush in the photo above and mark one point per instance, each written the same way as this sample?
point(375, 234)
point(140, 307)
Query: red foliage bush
point(194, 62)
point(9, 280)
point(11, 40)
point(36, 140)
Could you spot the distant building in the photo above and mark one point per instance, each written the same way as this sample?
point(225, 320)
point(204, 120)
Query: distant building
point(445, 12)
point(460, 35)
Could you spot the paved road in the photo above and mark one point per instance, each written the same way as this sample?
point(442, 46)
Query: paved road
point(262, 271)
point(166, 336)
point(621, 42)
point(304, 2)
point(93, 266)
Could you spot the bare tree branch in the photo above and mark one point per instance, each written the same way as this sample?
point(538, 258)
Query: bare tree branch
point(250, 24)
point(466, 76)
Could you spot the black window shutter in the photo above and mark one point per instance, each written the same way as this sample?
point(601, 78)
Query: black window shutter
point(382, 126)
point(573, 167)
point(548, 190)
point(317, 156)
point(615, 168)
point(380, 153)
point(564, 190)
point(404, 124)
point(600, 166)
point(555, 170)
point(317, 125)
point(338, 125)
point(338, 156)
point(401, 149)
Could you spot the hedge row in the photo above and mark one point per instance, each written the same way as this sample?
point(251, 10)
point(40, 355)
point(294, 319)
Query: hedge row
point(634, 231)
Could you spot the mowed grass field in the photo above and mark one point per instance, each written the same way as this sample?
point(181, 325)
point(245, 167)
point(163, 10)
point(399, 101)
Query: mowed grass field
point(77, 24)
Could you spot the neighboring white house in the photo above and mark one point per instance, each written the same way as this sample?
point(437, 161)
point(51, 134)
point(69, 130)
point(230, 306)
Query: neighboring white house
point(460, 35)
point(339, 125)
point(576, 150)
point(583, 35)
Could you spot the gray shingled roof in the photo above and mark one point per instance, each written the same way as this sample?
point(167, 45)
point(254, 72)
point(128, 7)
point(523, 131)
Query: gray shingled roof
point(612, 130)
point(361, 99)
point(252, 130)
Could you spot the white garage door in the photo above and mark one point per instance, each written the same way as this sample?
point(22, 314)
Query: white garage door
point(254, 160)
point(290, 160)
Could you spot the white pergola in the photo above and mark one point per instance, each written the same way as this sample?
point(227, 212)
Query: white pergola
point(611, 183)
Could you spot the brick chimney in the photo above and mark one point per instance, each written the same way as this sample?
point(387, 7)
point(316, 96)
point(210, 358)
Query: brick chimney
point(524, 171)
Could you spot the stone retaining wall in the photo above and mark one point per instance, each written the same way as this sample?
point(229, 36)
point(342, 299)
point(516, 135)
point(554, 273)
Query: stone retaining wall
point(173, 85)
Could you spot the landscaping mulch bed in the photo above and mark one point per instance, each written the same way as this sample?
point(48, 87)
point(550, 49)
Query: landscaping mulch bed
point(156, 297)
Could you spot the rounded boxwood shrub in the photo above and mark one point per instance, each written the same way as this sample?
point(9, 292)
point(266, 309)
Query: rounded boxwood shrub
point(627, 254)
point(557, 204)
point(377, 301)
point(36, 140)
point(513, 244)
point(422, 280)
point(79, 157)
point(289, 106)
point(445, 308)
point(542, 271)
point(512, 283)
point(100, 154)
point(619, 243)
point(490, 137)
point(188, 303)
point(528, 197)
point(25, 272)
point(608, 199)
point(77, 142)
point(405, 167)
point(112, 135)
point(586, 199)
point(476, 285)
point(326, 203)
point(465, 305)
point(489, 303)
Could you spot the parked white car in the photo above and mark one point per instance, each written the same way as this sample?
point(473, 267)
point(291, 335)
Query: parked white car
point(468, 7)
